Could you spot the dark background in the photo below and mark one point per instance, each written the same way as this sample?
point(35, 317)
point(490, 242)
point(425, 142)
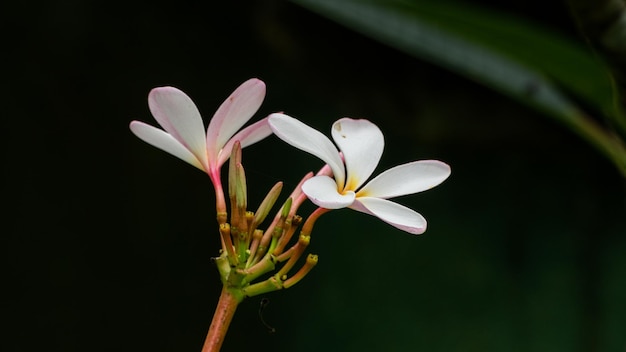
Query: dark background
point(107, 240)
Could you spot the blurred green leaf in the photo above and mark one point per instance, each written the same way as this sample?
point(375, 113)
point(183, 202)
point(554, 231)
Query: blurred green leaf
point(515, 58)
point(571, 65)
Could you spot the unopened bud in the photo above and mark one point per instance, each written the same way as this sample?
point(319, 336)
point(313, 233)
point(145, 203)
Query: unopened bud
point(267, 204)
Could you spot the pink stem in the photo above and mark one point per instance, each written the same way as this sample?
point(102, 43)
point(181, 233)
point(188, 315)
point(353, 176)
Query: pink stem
point(226, 307)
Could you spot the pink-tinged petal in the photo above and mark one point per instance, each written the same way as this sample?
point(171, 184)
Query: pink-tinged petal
point(164, 141)
point(322, 191)
point(325, 171)
point(405, 179)
point(362, 144)
point(309, 140)
point(178, 115)
point(392, 213)
point(249, 135)
point(234, 112)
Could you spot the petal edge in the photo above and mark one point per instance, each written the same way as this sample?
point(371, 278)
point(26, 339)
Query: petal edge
point(310, 140)
point(394, 214)
point(409, 178)
point(179, 116)
point(234, 112)
point(361, 143)
point(164, 141)
point(322, 191)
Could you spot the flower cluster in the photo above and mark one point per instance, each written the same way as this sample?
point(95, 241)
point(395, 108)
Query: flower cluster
point(360, 143)
point(248, 252)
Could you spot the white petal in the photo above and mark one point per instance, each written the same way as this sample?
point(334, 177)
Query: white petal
point(362, 144)
point(405, 179)
point(322, 191)
point(164, 141)
point(178, 115)
point(234, 112)
point(309, 140)
point(246, 137)
point(392, 213)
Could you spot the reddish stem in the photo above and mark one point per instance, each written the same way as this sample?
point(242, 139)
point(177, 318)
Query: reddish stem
point(226, 307)
point(307, 228)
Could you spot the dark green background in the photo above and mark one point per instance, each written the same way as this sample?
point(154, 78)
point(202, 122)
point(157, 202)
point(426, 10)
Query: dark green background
point(107, 241)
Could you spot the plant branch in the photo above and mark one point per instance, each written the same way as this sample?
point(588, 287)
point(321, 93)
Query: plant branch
point(226, 307)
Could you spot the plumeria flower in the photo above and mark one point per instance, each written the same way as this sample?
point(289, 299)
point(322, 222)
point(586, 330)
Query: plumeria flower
point(183, 130)
point(361, 144)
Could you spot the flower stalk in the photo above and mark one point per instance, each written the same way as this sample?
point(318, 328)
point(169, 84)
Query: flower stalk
point(248, 252)
point(311, 261)
point(224, 313)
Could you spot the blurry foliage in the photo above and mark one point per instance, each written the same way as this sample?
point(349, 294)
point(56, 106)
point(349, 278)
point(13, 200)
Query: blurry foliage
point(520, 59)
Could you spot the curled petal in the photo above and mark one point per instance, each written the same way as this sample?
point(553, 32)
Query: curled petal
point(309, 140)
point(362, 144)
point(405, 179)
point(392, 213)
point(234, 112)
point(249, 135)
point(178, 115)
point(164, 141)
point(322, 191)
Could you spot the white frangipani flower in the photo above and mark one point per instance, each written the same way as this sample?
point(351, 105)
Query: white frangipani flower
point(361, 144)
point(183, 130)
